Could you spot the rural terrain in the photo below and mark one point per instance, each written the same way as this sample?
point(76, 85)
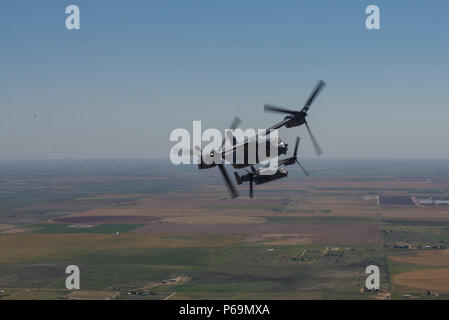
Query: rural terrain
point(148, 230)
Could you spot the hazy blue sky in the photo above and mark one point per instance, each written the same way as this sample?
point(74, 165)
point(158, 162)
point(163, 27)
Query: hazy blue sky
point(138, 69)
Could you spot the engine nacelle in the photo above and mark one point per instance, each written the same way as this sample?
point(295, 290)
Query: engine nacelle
point(203, 165)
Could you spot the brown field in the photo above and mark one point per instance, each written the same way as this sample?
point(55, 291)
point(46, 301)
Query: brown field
point(349, 234)
point(345, 206)
point(6, 227)
point(90, 295)
point(432, 279)
point(249, 296)
point(185, 205)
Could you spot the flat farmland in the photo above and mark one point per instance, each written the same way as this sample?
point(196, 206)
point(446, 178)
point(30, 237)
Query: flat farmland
point(321, 233)
point(424, 280)
point(186, 204)
point(40, 248)
point(349, 205)
point(130, 224)
point(390, 200)
point(418, 272)
point(415, 213)
point(437, 258)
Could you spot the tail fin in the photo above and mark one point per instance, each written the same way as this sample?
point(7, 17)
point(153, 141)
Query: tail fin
point(237, 177)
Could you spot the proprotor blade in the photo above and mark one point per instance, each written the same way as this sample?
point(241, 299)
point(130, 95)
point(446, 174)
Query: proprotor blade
point(320, 85)
point(296, 146)
point(271, 108)
point(232, 189)
point(305, 171)
point(315, 143)
point(235, 123)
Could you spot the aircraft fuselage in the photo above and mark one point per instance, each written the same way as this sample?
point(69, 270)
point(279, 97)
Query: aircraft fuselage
point(241, 157)
point(261, 179)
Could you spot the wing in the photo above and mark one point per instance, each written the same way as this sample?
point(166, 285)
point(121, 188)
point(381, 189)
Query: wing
point(277, 125)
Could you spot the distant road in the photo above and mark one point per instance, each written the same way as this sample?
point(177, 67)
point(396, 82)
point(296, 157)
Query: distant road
point(169, 296)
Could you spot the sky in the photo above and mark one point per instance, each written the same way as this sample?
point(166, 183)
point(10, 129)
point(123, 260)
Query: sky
point(136, 70)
